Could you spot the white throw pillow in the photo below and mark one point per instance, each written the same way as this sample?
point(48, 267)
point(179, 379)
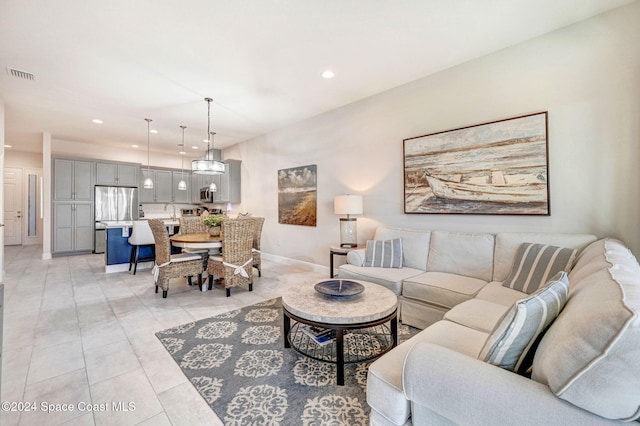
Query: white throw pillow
point(519, 327)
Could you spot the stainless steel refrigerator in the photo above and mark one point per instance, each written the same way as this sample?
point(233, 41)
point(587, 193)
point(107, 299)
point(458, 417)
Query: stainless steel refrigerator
point(113, 203)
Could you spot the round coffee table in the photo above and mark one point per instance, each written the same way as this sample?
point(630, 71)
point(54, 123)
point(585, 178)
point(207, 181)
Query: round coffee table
point(359, 327)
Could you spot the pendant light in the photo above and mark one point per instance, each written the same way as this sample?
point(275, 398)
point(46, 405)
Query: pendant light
point(182, 185)
point(148, 183)
point(208, 166)
point(212, 186)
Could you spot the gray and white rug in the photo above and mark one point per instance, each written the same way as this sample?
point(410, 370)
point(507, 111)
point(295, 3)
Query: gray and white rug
point(238, 363)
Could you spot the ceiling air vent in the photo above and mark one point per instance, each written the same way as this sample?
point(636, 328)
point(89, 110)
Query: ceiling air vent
point(20, 74)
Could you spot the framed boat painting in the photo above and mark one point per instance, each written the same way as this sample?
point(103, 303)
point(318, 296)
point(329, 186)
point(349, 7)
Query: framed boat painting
point(496, 168)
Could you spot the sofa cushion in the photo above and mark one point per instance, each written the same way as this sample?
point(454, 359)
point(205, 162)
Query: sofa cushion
point(390, 278)
point(441, 288)
point(535, 264)
point(384, 253)
point(356, 257)
point(589, 356)
point(415, 245)
point(478, 314)
point(518, 329)
point(496, 293)
point(507, 244)
point(384, 378)
point(462, 254)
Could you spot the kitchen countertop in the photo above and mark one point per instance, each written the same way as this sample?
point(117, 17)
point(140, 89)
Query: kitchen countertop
point(128, 224)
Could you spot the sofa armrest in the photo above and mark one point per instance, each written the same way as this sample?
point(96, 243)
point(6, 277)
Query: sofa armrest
point(465, 390)
point(356, 257)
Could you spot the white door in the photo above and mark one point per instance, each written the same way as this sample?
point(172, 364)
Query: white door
point(12, 206)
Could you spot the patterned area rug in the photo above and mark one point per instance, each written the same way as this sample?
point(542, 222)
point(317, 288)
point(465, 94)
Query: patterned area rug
point(238, 363)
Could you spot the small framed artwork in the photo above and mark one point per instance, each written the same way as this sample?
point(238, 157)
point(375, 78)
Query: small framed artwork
point(496, 168)
point(297, 195)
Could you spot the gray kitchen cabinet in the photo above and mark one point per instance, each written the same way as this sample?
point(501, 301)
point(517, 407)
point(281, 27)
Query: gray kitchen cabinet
point(229, 184)
point(117, 174)
point(73, 180)
point(199, 181)
point(182, 197)
point(162, 186)
point(72, 227)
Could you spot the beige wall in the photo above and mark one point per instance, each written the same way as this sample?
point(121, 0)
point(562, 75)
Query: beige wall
point(31, 160)
point(585, 75)
point(75, 149)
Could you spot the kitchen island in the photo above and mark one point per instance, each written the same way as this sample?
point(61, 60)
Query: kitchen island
point(118, 250)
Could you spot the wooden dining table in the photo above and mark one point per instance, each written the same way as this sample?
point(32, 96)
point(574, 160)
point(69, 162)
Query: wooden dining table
point(199, 240)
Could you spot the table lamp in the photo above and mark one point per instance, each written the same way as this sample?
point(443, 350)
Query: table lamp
point(348, 204)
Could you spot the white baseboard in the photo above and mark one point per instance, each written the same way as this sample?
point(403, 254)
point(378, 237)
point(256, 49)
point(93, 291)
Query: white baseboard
point(289, 261)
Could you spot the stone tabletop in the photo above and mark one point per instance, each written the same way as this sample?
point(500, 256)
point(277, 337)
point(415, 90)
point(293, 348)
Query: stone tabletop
point(374, 303)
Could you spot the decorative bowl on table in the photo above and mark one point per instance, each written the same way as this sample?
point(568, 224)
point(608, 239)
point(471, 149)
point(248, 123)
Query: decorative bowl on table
point(339, 287)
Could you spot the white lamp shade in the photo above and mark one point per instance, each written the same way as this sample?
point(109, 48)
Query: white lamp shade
point(207, 167)
point(347, 204)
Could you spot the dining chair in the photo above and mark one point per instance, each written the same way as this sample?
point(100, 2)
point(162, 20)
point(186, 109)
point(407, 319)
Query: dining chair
point(235, 265)
point(258, 222)
point(141, 236)
point(194, 225)
point(170, 266)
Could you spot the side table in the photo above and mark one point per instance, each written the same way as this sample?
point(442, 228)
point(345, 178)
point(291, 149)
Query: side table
point(342, 251)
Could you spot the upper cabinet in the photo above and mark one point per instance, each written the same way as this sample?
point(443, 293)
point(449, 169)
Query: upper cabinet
point(181, 196)
point(161, 191)
point(117, 174)
point(229, 184)
point(73, 180)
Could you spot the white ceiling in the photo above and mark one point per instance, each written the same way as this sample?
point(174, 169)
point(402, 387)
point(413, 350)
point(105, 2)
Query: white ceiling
point(260, 60)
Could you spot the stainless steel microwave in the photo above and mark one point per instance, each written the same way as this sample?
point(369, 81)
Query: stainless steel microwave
point(206, 195)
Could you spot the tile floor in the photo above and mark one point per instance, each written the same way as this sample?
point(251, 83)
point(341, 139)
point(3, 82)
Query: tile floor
point(76, 335)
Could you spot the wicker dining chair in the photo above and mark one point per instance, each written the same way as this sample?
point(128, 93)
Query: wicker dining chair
point(194, 225)
point(235, 265)
point(258, 222)
point(170, 266)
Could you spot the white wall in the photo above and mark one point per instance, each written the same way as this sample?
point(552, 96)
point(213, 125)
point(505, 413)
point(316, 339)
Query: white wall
point(62, 147)
point(585, 75)
point(22, 159)
point(2, 159)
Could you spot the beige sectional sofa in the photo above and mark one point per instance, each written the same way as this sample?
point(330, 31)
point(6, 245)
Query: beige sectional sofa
point(586, 369)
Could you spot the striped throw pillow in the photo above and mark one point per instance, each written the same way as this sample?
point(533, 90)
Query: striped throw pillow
point(384, 253)
point(517, 330)
point(535, 264)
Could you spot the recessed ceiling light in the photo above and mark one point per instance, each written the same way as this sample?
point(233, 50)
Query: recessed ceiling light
point(134, 146)
point(8, 146)
point(182, 153)
point(328, 74)
point(97, 121)
point(153, 131)
point(194, 147)
point(205, 140)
